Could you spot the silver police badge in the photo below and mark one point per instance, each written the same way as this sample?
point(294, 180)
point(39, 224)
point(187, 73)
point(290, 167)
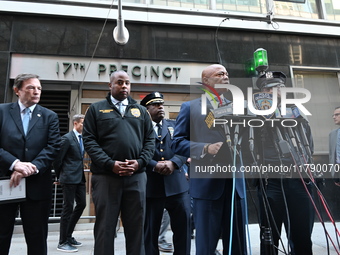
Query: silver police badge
point(171, 131)
point(263, 101)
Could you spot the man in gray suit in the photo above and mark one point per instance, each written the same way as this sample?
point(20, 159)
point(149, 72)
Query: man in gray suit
point(70, 172)
point(334, 145)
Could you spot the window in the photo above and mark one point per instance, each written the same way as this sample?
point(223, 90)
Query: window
point(307, 10)
point(325, 96)
point(254, 6)
point(332, 9)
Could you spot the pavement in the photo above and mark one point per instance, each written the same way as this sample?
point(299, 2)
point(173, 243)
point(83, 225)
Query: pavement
point(84, 234)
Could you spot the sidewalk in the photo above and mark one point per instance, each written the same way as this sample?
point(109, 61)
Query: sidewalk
point(84, 235)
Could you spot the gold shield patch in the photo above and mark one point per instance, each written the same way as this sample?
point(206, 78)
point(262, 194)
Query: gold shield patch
point(135, 112)
point(106, 111)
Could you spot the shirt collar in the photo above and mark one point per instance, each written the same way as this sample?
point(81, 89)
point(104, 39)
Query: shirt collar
point(115, 101)
point(214, 101)
point(76, 133)
point(22, 107)
point(154, 123)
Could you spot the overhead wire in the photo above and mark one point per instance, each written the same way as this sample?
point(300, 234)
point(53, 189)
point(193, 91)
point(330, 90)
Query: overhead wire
point(92, 56)
point(232, 205)
point(245, 206)
point(312, 200)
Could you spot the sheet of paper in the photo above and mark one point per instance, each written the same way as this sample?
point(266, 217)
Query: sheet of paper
point(7, 193)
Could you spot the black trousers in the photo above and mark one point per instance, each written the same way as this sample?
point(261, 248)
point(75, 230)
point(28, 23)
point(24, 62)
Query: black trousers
point(296, 214)
point(70, 214)
point(111, 196)
point(34, 215)
point(178, 207)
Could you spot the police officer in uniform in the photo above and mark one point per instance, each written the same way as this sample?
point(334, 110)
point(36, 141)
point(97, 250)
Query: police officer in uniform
point(167, 187)
point(283, 198)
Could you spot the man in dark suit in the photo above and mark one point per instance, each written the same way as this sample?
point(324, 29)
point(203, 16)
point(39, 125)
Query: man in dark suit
point(70, 171)
point(167, 186)
point(334, 145)
point(29, 142)
point(212, 197)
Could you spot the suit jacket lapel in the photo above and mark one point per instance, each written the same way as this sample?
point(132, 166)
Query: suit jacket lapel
point(334, 138)
point(219, 128)
point(36, 116)
point(76, 141)
point(16, 115)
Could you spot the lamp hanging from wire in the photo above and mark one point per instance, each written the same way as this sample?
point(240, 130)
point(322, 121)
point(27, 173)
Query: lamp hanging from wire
point(120, 33)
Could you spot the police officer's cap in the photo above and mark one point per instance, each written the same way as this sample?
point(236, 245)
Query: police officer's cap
point(271, 79)
point(152, 98)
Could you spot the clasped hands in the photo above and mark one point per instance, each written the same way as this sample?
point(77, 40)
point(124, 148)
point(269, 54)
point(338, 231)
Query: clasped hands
point(20, 170)
point(125, 168)
point(164, 167)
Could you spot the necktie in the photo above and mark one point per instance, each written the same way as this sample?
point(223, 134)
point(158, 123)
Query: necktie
point(159, 131)
point(26, 119)
point(338, 148)
point(81, 145)
point(120, 107)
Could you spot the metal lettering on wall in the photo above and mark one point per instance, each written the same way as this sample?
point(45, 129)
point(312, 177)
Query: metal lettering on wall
point(97, 70)
point(137, 71)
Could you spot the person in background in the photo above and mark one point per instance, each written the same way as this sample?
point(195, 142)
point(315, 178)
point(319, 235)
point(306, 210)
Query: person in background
point(334, 145)
point(167, 187)
point(70, 172)
point(29, 142)
point(163, 245)
point(119, 138)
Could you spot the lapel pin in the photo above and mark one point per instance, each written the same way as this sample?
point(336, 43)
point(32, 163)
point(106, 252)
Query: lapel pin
point(39, 115)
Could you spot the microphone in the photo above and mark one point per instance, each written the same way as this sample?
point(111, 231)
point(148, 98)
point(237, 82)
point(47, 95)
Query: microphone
point(227, 135)
point(236, 132)
point(251, 139)
point(292, 137)
point(239, 142)
point(294, 113)
point(297, 154)
point(283, 144)
point(305, 141)
point(298, 141)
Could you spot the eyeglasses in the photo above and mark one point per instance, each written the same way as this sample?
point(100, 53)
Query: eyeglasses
point(335, 115)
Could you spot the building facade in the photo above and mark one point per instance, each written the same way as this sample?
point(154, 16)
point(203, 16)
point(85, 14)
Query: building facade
point(70, 45)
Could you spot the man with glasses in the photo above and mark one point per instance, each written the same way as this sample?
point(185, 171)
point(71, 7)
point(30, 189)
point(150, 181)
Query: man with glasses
point(29, 142)
point(334, 145)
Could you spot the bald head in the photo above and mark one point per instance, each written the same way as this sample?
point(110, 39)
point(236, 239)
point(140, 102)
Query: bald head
point(215, 74)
